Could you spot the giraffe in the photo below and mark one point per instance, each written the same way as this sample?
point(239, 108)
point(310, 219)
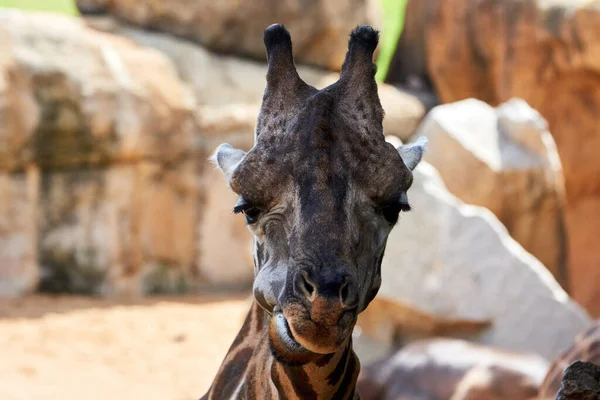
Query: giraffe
point(321, 190)
point(586, 348)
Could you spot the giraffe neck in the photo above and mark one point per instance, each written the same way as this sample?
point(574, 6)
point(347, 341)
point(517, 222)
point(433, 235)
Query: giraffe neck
point(250, 371)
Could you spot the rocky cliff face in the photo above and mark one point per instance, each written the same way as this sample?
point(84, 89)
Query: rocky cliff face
point(505, 160)
point(101, 163)
point(545, 52)
point(319, 28)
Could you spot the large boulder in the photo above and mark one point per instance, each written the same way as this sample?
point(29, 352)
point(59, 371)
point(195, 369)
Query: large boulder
point(503, 159)
point(225, 242)
point(72, 95)
point(19, 270)
point(458, 261)
point(320, 28)
point(545, 52)
point(216, 80)
point(123, 201)
point(121, 229)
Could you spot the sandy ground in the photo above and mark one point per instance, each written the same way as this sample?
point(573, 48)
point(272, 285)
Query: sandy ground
point(80, 348)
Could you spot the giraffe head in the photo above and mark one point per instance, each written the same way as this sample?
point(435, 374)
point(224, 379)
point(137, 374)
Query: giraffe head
point(321, 190)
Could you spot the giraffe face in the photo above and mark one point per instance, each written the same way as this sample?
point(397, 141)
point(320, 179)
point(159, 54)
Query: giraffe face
point(321, 190)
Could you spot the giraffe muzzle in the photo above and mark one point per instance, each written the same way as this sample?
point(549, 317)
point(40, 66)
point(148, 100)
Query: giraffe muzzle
point(299, 331)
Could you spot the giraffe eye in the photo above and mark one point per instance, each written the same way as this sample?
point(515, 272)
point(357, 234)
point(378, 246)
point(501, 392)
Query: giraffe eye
point(405, 207)
point(392, 211)
point(252, 213)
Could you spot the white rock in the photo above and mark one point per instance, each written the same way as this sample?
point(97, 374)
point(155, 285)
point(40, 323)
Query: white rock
point(458, 261)
point(503, 159)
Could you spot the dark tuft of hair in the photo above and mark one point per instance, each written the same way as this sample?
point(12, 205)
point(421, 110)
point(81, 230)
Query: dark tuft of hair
point(365, 37)
point(277, 35)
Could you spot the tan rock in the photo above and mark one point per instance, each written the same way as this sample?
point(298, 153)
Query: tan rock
point(215, 80)
point(403, 111)
point(167, 205)
point(19, 269)
point(319, 28)
point(503, 159)
point(85, 229)
point(545, 52)
point(144, 228)
point(127, 229)
point(225, 241)
point(72, 95)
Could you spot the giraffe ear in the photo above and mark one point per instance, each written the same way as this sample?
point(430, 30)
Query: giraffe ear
point(227, 159)
point(412, 153)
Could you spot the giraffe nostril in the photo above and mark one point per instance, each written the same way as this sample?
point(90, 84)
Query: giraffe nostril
point(348, 296)
point(305, 286)
point(344, 292)
point(310, 289)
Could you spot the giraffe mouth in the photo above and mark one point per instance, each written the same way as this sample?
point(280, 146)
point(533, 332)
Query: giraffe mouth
point(285, 334)
point(296, 333)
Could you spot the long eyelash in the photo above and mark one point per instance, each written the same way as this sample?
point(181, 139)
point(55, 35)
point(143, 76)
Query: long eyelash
point(405, 207)
point(240, 209)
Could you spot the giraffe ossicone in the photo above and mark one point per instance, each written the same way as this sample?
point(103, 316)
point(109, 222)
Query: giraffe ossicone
point(321, 190)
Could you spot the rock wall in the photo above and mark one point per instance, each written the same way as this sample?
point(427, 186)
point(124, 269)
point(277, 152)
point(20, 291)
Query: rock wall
point(505, 160)
point(320, 28)
point(104, 165)
point(19, 197)
point(545, 52)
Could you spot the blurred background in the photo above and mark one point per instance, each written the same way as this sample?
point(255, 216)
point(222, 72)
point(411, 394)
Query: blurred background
point(123, 273)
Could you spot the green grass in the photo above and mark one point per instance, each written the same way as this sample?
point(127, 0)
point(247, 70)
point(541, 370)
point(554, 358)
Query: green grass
point(58, 6)
point(393, 22)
